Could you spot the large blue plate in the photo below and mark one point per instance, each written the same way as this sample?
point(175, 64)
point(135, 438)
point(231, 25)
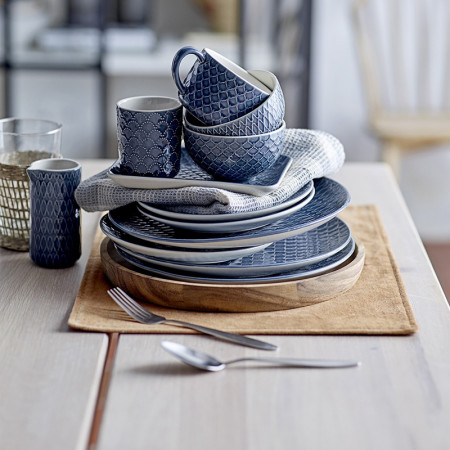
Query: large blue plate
point(321, 267)
point(330, 199)
point(282, 256)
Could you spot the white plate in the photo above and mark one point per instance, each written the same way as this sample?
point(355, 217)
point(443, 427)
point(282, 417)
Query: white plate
point(228, 217)
point(191, 175)
point(234, 226)
point(188, 256)
point(282, 256)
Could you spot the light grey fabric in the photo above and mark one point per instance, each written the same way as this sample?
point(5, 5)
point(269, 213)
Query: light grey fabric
point(315, 154)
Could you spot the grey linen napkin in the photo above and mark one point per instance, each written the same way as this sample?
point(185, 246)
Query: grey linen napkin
point(315, 154)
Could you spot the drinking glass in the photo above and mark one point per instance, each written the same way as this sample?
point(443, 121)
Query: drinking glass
point(22, 141)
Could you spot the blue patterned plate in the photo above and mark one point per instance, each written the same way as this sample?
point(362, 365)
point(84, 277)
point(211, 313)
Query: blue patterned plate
point(282, 256)
point(233, 226)
point(161, 211)
point(309, 271)
point(192, 175)
point(330, 199)
point(188, 256)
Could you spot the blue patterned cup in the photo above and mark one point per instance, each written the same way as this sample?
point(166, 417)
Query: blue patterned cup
point(267, 117)
point(234, 158)
point(216, 90)
point(55, 237)
point(149, 136)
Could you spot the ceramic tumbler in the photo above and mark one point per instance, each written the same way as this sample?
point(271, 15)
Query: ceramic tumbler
point(216, 90)
point(149, 136)
point(55, 236)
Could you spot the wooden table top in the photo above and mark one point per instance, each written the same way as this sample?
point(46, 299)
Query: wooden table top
point(62, 389)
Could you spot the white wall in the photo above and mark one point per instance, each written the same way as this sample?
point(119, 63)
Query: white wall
point(338, 106)
point(337, 96)
point(67, 97)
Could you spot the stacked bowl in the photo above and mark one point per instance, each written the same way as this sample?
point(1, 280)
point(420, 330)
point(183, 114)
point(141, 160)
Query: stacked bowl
point(233, 126)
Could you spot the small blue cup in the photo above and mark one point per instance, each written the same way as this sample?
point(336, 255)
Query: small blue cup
point(216, 90)
point(149, 136)
point(55, 236)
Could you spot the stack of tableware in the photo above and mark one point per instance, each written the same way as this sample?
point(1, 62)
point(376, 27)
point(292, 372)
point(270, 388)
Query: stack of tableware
point(233, 133)
point(298, 238)
point(233, 127)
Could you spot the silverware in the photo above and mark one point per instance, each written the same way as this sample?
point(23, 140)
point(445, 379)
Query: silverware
point(142, 315)
point(207, 362)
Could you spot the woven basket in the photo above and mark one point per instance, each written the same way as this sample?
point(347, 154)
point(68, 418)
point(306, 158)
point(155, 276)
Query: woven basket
point(15, 198)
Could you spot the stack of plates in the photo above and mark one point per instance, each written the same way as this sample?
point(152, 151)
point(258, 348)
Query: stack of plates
point(297, 239)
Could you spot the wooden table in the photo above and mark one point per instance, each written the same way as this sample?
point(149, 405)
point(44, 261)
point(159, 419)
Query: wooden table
point(54, 381)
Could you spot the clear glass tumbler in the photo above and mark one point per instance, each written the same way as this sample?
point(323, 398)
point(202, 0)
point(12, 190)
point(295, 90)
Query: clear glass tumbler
point(22, 141)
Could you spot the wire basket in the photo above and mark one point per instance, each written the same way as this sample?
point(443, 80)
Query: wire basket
point(15, 198)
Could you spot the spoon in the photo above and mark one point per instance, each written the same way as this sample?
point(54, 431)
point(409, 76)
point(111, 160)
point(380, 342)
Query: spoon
point(207, 362)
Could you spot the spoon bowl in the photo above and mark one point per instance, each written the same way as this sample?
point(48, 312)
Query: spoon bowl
point(207, 362)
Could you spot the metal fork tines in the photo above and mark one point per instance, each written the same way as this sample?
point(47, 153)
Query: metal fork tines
point(140, 314)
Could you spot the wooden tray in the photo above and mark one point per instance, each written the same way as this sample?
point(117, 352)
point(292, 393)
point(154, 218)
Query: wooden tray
point(270, 296)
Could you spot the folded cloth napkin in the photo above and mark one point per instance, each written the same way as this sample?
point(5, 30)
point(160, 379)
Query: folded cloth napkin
point(315, 154)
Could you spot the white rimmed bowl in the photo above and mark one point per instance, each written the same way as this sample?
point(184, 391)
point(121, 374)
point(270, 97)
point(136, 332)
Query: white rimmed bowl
point(235, 158)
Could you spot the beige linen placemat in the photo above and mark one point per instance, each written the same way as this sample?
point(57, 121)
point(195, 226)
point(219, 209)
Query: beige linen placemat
point(376, 304)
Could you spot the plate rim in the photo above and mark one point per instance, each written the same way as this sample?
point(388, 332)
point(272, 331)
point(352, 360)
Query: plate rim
point(199, 269)
point(243, 225)
point(176, 251)
point(270, 279)
point(234, 216)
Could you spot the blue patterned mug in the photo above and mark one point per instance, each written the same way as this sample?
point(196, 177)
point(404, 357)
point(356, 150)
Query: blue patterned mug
point(149, 136)
point(55, 237)
point(216, 90)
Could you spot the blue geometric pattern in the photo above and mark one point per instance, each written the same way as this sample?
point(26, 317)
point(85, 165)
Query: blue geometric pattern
point(281, 256)
point(305, 271)
point(214, 95)
point(235, 158)
point(330, 198)
point(55, 240)
point(267, 117)
point(149, 143)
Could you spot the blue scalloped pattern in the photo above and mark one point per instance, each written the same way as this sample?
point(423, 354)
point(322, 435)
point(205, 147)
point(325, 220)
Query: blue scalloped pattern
point(215, 95)
point(149, 143)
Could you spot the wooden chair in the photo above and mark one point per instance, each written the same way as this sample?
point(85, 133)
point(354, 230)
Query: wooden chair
point(404, 50)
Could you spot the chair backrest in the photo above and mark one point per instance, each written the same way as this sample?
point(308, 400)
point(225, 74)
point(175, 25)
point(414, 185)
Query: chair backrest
point(404, 49)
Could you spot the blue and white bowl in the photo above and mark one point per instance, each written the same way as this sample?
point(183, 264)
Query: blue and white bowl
point(216, 90)
point(266, 117)
point(234, 158)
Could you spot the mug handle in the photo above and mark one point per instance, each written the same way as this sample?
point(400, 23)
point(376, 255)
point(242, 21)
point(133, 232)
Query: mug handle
point(183, 52)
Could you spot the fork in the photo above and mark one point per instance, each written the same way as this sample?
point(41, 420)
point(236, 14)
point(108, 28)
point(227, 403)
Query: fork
point(140, 314)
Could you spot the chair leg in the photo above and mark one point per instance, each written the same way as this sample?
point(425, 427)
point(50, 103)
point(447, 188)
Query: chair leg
point(392, 154)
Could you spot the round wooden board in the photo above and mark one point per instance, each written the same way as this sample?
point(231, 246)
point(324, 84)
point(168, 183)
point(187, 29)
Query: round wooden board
point(271, 296)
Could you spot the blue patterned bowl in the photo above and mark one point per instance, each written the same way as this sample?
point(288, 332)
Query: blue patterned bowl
point(267, 117)
point(234, 158)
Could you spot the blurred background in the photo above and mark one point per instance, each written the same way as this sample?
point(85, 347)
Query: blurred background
point(375, 73)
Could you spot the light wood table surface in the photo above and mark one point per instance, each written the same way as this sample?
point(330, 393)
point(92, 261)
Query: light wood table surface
point(61, 389)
